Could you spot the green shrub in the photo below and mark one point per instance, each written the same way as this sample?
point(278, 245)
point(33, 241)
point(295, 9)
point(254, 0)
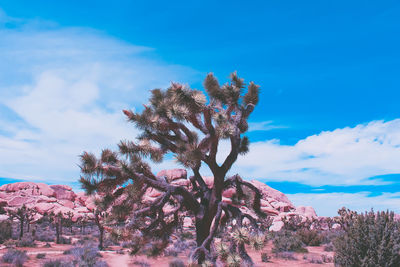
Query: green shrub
point(287, 241)
point(370, 239)
point(310, 237)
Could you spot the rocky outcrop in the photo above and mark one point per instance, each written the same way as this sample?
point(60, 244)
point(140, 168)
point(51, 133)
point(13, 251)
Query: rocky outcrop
point(43, 198)
point(60, 198)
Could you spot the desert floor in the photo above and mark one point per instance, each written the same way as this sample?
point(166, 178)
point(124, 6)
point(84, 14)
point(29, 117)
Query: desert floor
point(119, 260)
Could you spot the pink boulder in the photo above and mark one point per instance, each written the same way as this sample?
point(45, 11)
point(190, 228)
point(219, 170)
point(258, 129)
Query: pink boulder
point(271, 193)
point(306, 211)
point(209, 180)
point(43, 207)
point(181, 182)
point(63, 192)
point(151, 192)
point(229, 192)
point(66, 203)
point(173, 174)
point(269, 211)
point(35, 189)
point(18, 201)
point(282, 206)
point(81, 197)
point(45, 199)
point(276, 226)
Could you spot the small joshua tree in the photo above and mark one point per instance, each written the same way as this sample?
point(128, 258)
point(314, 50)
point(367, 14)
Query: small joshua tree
point(186, 123)
point(68, 220)
point(23, 215)
point(99, 219)
point(57, 220)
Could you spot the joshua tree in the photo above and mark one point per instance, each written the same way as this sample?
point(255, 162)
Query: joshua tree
point(189, 125)
point(23, 215)
point(83, 222)
point(99, 219)
point(68, 220)
point(57, 219)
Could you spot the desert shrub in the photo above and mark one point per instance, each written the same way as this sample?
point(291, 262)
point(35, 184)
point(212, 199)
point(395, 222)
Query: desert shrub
point(5, 231)
point(58, 263)
point(286, 255)
point(26, 241)
point(265, 257)
point(329, 247)
point(287, 241)
point(10, 243)
point(310, 237)
point(176, 263)
point(65, 241)
point(186, 235)
point(40, 255)
point(370, 239)
point(86, 256)
point(294, 223)
point(313, 259)
point(45, 236)
point(326, 258)
point(329, 236)
point(171, 251)
point(141, 263)
point(16, 257)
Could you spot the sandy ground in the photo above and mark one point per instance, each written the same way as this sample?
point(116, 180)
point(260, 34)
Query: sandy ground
point(121, 260)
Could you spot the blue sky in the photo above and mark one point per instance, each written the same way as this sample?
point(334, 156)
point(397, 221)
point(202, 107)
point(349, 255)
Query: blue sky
point(326, 131)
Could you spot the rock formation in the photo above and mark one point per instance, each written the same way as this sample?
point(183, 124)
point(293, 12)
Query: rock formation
point(60, 198)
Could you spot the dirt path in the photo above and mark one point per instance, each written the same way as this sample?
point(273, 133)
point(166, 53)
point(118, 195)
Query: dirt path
point(115, 259)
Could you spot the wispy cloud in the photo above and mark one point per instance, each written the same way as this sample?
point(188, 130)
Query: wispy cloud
point(63, 89)
point(264, 126)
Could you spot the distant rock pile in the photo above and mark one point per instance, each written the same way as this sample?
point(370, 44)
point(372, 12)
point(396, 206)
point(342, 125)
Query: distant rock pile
point(45, 198)
point(60, 198)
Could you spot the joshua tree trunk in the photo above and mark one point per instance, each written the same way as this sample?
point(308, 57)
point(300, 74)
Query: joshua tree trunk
point(101, 231)
point(21, 229)
point(57, 233)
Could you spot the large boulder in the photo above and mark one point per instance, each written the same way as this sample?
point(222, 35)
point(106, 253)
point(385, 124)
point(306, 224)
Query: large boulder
point(44, 207)
point(18, 201)
point(63, 192)
point(306, 211)
point(173, 174)
point(276, 226)
point(269, 192)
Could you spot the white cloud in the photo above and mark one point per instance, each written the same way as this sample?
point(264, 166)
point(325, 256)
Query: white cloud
point(328, 204)
point(343, 156)
point(68, 86)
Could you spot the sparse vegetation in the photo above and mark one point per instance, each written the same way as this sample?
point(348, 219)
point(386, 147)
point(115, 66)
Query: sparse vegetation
point(16, 257)
point(287, 241)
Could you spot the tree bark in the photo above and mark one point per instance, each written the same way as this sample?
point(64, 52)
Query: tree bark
point(101, 230)
point(21, 229)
